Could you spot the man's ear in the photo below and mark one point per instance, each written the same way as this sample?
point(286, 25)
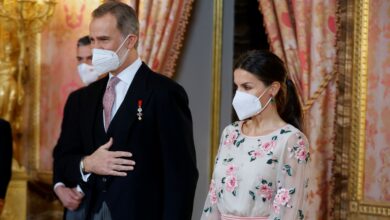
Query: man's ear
point(132, 41)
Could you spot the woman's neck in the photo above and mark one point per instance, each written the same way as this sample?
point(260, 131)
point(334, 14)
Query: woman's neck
point(264, 123)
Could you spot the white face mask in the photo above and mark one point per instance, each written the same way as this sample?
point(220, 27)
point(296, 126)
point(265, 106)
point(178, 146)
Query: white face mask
point(247, 105)
point(107, 60)
point(87, 73)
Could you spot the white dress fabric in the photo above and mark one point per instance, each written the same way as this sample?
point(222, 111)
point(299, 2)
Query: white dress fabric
point(262, 176)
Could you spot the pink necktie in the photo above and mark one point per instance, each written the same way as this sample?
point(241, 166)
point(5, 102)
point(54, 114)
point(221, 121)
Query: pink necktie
point(108, 100)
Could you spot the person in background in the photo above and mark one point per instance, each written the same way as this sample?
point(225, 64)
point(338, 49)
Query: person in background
point(84, 59)
point(70, 194)
point(259, 172)
point(5, 159)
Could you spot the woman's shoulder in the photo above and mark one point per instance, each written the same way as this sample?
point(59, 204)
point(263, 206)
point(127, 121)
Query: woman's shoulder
point(296, 137)
point(234, 126)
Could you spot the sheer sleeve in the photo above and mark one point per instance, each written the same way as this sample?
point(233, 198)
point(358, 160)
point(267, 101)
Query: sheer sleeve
point(210, 210)
point(288, 203)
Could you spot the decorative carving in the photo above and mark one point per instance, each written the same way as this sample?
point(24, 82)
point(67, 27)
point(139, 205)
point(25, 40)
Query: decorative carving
point(25, 18)
point(21, 20)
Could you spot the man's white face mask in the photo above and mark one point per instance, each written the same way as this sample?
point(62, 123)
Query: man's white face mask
point(107, 60)
point(87, 73)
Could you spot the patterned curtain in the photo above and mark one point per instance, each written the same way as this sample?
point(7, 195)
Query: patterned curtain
point(162, 27)
point(303, 34)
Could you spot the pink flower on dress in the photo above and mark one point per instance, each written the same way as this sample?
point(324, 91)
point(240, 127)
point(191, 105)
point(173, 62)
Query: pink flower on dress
point(265, 191)
point(301, 142)
point(212, 193)
point(301, 155)
point(268, 146)
point(256, 153)
point(231, 137)
point(231, 169)
point(213, 198)
point(231, 183)
point(282, 197)
point(276, 208)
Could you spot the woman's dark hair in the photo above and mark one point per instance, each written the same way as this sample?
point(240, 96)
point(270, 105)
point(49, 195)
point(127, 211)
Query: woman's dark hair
point(269, 68)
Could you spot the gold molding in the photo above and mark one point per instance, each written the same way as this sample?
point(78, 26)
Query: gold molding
point(359, 97)
point(350, 126)
point(36, 93)
point(216, 80)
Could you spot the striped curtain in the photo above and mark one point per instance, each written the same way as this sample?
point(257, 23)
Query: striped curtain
point(162, 27)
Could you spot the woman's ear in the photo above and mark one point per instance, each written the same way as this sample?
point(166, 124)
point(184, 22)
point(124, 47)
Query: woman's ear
point(275, 87)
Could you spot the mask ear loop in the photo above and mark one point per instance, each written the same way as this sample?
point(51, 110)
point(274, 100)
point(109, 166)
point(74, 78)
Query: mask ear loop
point(266, 104)
point(258, 98)
point(120, 46)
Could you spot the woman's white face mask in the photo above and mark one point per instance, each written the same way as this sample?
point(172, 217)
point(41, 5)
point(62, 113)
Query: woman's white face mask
point(247, 105)
point(105, 61)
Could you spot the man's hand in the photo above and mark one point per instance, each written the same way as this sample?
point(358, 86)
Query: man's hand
point(69, 197)
point(105, 162)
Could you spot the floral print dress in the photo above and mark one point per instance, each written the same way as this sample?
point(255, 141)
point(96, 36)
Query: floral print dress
point(261, 176)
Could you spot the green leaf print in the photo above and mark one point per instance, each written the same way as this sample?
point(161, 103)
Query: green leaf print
point(263, 181)
point(223, 180)
point(240, 142)
point(207, 209)
point(284, 131)
point(252, 194)
point(234, 193)
point(300, 215)
point(270, 161)
point(228, 160)
point(274, 138)
point(288, 169)
point(291, 191)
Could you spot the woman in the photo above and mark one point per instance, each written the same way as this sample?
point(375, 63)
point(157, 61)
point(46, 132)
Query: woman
point(260, 168)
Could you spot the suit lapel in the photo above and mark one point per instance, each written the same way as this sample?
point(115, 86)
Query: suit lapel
point(127, 112)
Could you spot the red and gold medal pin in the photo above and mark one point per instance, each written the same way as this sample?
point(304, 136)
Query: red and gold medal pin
point(139, 114)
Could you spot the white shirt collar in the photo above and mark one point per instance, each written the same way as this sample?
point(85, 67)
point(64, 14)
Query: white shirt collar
point(129, 72)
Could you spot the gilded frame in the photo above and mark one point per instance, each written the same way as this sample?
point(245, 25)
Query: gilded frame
point(216, 81)
point(350, 127)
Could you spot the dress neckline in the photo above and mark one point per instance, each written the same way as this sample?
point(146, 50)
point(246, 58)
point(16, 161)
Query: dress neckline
point(241, 123)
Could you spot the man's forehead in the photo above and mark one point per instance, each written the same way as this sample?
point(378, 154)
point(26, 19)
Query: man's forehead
point(103, 25)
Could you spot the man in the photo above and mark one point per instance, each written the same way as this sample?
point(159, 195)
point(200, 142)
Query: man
point(84, 50)
point(131, 110)
point(5, 159)
point(71, 196)
point(84, 59)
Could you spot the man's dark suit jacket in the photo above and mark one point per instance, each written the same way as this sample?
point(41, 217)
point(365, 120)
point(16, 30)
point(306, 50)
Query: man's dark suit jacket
point(162, 184)
point(5, 156)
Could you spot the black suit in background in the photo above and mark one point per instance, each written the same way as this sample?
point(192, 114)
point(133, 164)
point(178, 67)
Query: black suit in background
point(162, 184)
point(5, 156)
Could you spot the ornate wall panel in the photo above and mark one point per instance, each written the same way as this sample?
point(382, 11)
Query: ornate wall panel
point(362, 163)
